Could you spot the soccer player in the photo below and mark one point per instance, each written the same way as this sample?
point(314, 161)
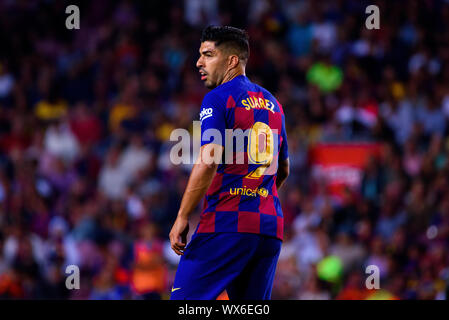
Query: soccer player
point(236, 244)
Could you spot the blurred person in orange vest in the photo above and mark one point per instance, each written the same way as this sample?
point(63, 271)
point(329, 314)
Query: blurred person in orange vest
point(149, 274)
point(10, 285)
point(354, 289)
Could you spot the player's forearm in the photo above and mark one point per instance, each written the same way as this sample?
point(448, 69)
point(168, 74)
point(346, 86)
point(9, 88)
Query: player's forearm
point(199, 181)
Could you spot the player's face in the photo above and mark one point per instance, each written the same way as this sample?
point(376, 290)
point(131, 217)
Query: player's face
point(211, 64)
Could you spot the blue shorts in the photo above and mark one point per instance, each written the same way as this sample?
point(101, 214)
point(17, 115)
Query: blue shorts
point(242, 263)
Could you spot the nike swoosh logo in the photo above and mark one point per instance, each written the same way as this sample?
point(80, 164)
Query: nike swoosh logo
point(174, 289)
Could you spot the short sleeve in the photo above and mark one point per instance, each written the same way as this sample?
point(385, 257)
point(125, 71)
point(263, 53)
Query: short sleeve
point(213, 120)
point(283, 152)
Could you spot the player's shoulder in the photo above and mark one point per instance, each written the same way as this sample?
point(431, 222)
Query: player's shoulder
point(219, 96)
point(268, 95)
point(211, 101)
point(214, 96)
point(211, 95)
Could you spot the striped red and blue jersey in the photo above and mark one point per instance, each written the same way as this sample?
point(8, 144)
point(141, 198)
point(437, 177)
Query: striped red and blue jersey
point(243, 196)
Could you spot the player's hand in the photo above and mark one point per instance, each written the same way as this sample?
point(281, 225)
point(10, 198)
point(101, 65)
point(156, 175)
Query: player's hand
point(178, 235)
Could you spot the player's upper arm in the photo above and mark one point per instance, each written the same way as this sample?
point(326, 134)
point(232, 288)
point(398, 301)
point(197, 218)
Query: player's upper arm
point(283, 151)
point(213, 120)
point(284, 167)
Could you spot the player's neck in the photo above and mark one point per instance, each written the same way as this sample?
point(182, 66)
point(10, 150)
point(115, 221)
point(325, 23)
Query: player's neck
point(232, 74)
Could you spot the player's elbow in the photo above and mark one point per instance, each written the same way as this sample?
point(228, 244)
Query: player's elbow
point(283, 172)
point(210, 156)
point(284, 168)
point(208, 164)
point(287, 172)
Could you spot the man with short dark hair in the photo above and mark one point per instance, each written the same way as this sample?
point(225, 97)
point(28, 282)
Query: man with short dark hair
point(237, 242)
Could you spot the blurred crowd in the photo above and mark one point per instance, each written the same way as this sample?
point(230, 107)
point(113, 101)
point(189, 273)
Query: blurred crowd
point(86, 116)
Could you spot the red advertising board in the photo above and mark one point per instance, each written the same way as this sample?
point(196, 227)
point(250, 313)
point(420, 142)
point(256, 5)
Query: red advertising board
point(341, 164)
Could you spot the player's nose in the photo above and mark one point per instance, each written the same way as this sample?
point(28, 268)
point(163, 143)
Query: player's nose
point(199, 63)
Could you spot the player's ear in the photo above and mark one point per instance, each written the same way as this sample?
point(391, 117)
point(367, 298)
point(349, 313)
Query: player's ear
point(233, 61)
